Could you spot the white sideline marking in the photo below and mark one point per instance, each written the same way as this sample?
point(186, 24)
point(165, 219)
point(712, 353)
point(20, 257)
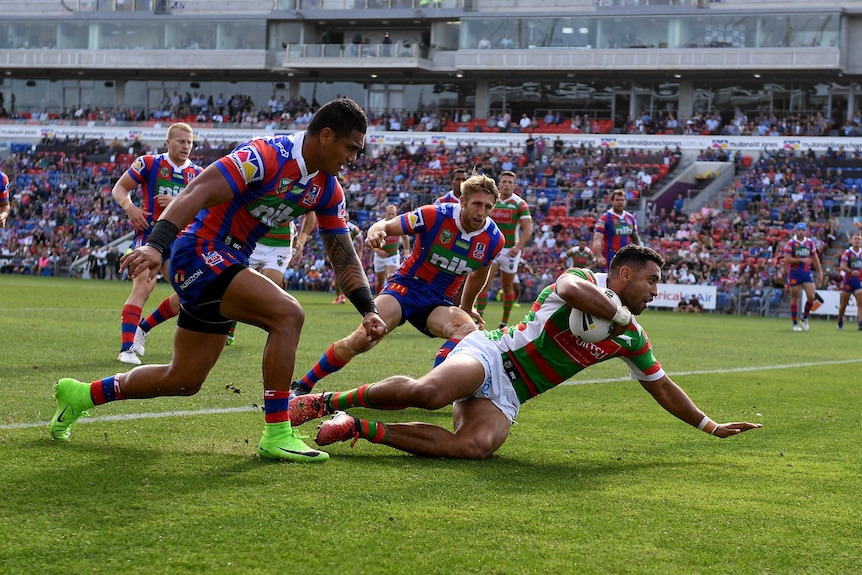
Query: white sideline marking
point(132, 416)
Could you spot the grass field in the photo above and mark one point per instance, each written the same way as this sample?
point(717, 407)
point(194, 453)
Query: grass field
point(595, 478)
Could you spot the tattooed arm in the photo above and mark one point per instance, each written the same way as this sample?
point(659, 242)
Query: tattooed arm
point(350, 275)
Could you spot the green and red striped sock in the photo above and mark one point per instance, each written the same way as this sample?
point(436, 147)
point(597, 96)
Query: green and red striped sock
point(341, 400)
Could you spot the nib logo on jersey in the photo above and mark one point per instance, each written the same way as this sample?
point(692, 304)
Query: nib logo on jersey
point(451, 263)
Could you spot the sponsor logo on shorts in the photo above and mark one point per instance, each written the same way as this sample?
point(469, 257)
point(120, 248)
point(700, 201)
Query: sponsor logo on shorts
point(191, 279)
point(213, 259)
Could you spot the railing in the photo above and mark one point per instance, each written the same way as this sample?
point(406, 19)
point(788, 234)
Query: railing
point(397, 50)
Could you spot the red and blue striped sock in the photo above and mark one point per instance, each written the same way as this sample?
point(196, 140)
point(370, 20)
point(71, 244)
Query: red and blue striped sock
point(794, 312)
point(161, 314)
point(130, 319)
point(105, 390)
point(327, 364)
point(445, 350)
point(275, 404)
point(358, 397)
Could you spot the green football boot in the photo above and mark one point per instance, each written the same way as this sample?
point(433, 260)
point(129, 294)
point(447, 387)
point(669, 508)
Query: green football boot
point(280, 441)
point(73, 401)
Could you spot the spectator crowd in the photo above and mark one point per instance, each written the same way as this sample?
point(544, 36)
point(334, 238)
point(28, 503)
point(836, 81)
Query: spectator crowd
point(62, 208)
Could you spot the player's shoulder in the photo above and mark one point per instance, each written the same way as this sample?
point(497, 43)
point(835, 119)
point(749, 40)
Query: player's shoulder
point(584, 274)
point(448, 209)
point(144, 162)
point(518, 200)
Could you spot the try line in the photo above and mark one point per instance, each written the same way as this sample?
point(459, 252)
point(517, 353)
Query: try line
point(215, 411)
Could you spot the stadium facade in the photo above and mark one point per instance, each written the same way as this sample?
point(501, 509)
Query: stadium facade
point(605, 59)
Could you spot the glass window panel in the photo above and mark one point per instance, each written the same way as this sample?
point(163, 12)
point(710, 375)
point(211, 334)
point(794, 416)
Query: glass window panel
point(73, 36)
point(241, 36)
point(129, 36)
point(191, 35)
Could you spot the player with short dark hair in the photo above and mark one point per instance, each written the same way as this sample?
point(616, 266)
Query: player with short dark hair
point(614, 229)
point(580, 256)
point(261, 184)
point(490, 374)
point(453, 196)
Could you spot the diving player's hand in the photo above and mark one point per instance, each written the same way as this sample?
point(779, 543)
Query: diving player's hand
point(727, 429)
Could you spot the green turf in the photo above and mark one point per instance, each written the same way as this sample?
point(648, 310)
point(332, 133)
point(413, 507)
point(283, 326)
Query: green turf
point(595, 478)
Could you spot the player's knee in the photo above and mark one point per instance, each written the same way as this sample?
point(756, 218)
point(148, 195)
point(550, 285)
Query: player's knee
point(461, 330)
point(183, 382)
point(287, 317)
point(188, 388)
point(477, 448)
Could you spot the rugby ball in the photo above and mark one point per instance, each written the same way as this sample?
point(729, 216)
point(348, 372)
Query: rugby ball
point(590, 328)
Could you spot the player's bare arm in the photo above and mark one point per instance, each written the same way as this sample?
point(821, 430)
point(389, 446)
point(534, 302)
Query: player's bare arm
point(585, 296)
point(377, 233)
point(345, 263)
point(309, 222)
point(351, 277)
point(676, 402)
point(121, 193)
point(473, 285)
point(524, 236)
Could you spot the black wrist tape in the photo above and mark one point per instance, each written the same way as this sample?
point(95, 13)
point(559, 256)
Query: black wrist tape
point(362, 301)
point(163, 235)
